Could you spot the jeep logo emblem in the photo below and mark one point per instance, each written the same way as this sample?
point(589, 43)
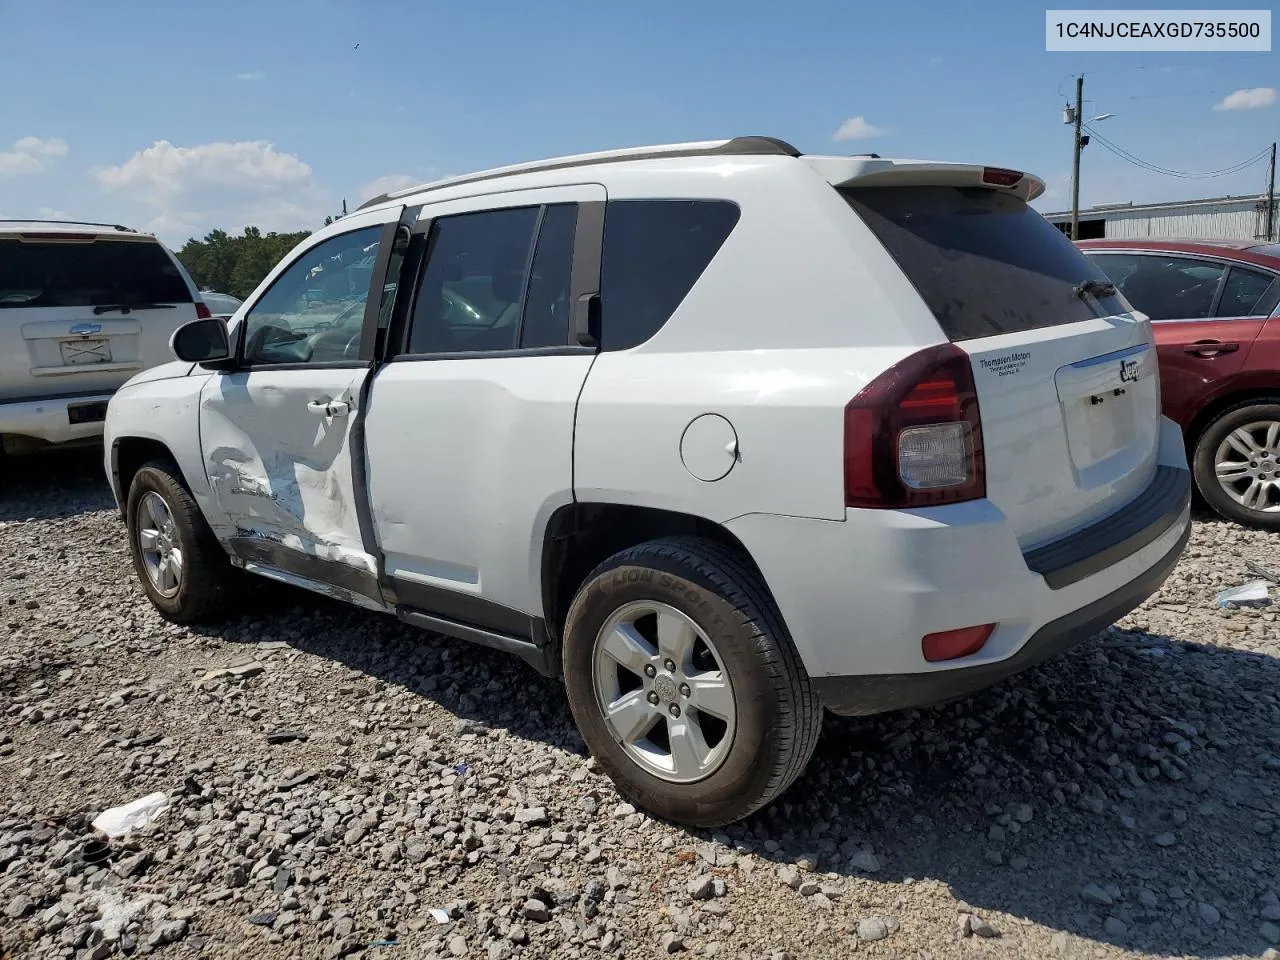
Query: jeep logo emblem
point(1129, 371)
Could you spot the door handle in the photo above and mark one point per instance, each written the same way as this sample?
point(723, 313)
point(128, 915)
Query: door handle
point(1210, 348)
point(329, 408)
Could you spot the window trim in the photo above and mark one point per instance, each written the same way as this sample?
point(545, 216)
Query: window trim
point(376, 282)
point(398, 343)
point(1225, 262)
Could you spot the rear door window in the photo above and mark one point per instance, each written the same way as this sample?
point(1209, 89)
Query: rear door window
point(983, 261)
point(654, 252)
point(496, 281)
point(88, 272)
point(1248, 293)
point(1164, 287)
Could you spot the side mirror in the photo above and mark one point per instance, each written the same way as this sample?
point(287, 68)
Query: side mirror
point(201, 341)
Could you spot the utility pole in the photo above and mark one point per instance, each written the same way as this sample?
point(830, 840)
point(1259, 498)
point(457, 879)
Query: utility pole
point(1271, 194)
point(1075, 161)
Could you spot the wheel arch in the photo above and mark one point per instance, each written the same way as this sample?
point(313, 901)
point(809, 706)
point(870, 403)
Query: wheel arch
point(581, 535)
point(129, 454)
point(1220, 405)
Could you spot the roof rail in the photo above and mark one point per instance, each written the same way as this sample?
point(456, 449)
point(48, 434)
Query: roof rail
point(738, 146)
point(73, 223)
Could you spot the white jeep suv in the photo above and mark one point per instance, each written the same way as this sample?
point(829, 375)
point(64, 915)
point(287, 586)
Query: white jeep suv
point(719, 433)
point(83, 307)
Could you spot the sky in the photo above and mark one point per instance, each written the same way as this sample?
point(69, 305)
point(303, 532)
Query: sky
point(179, 118)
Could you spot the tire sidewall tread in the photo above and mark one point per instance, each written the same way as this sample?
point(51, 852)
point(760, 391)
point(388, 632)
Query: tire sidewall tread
point(779, 716)
point(1203, 461)
point(207, 574)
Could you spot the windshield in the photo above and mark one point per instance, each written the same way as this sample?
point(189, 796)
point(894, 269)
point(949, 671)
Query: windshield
point(76, 273)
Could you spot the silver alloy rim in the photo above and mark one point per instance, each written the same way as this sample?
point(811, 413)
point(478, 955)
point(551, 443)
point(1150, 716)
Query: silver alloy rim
point(663, 691)
point(159, 544)
point(1247, 464)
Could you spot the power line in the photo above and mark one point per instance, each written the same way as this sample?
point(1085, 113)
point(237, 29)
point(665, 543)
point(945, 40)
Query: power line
point(1168, 171)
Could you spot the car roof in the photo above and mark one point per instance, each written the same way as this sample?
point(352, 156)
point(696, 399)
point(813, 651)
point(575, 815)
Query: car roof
point(71, 227)
point(867, 167)
point(1260, 252)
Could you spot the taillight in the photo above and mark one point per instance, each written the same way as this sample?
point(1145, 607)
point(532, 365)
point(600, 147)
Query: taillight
point(202, 311)
point(913, 435)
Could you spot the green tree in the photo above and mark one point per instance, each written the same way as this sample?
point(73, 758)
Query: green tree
point(236, 265)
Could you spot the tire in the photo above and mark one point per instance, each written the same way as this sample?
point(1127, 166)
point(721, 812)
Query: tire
point(202, 585)
point(1213, 447)
point(701, 589)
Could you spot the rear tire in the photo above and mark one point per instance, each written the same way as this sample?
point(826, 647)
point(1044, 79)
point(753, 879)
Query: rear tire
point(1237, 464)
point(755, 737)
point(180, 564)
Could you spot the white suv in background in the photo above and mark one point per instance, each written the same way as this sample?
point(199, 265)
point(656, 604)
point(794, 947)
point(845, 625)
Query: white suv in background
point(83, 307)
point(719, 433)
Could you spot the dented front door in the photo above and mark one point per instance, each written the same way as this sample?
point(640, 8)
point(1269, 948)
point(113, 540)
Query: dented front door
point(278, 455)
point(276, 431)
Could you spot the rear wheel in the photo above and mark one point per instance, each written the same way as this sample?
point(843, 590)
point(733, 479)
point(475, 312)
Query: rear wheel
point(1237, 464)
point(684, 683)
point(182, 567)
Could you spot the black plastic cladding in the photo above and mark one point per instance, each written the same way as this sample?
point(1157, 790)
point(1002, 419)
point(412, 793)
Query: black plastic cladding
point(738, 146)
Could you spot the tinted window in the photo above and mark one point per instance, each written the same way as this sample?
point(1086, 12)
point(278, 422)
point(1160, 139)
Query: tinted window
point(86, 274)
point(470, 294)
point(314, 312)
point(1163, 287)
point(546, 311)
point(1248, 293)
point(983, 261)
point(654, 252)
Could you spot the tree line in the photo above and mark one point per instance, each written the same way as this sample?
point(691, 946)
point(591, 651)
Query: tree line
point(236, 265)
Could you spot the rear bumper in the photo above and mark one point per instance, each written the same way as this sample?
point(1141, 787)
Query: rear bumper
point(856, 696)
point(55, 419)
point(859, 596)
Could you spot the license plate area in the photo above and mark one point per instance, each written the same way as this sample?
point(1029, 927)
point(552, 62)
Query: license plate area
point(93, 412)
point(85, 351)
point(1109, 413)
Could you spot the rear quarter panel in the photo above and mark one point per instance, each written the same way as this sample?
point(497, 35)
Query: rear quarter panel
point(798, 311)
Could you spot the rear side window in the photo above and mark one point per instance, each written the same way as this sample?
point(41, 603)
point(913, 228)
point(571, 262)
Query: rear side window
point(984, 262)
point(1164, 287)
point(79, 273)
point(1248, 293)
point(654, 252)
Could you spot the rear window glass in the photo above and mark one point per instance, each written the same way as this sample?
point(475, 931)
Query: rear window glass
point(654, 252)
point(983, 261)
point(80, 274)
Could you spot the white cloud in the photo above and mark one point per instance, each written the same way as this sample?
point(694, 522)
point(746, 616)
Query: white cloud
point(31, 155)
point(387, 183)
point(190, 190)
point(857, 128)
point(1251, 99)
point(53, 213)
point(251, 75)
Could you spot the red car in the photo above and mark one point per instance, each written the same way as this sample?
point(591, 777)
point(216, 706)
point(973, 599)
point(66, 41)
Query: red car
point(1212, 304)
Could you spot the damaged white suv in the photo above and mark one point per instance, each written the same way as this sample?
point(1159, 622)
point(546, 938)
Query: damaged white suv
point(721, 434)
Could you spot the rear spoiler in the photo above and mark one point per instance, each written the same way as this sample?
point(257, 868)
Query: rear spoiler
point(874, 171)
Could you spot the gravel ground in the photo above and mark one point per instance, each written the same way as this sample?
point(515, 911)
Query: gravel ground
point(1121, 801)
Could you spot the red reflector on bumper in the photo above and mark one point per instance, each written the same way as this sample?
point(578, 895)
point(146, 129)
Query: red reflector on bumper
point(953, 644)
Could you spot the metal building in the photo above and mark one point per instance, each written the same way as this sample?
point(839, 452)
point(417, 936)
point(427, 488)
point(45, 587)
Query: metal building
point(1218, 218)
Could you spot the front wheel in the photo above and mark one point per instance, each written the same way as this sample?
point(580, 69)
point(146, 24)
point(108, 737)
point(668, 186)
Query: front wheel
point(1237, 464)
point(181, 565)
point(684, 682)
